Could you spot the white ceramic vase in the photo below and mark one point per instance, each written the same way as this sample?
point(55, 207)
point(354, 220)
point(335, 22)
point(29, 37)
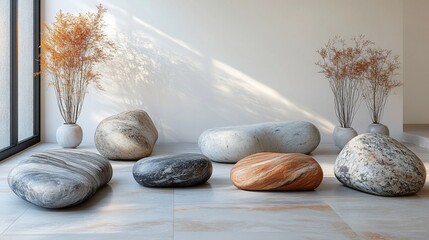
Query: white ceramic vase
point(378, 128)
point(69, 135)
point(343, 135)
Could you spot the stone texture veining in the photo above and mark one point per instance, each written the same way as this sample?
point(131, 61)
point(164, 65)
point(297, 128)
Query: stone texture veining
point(277, 171)
point(230, 144)
point(380, 165)
point(128, 135)
point(180, 170)
point(59, 178)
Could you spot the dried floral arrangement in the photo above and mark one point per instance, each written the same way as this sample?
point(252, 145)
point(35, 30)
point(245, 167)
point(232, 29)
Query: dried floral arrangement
point(381, 68)
point(344, 66)
point(70, 49)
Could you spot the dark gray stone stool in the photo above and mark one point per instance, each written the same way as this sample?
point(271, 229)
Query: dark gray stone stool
point(181, 170)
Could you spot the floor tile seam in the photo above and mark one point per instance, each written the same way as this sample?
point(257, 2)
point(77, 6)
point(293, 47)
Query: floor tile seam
point(342, 219)
point(14, 221)
point(174, 213)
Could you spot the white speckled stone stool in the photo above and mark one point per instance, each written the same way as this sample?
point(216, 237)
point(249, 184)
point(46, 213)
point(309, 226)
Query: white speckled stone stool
point(380, 165)
point(59, 178)
point(230, 144)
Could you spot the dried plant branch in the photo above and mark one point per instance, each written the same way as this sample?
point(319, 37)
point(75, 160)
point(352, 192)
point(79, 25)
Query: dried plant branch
point(70, 49)
point(379, 80)
point(344, 67)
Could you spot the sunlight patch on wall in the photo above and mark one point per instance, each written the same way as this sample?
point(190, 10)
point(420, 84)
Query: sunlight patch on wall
point(166, 77)
point(172, 39)
point(264, 93)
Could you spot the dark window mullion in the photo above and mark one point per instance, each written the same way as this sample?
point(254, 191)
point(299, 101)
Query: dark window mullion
point(13, 73)
point(36, 68)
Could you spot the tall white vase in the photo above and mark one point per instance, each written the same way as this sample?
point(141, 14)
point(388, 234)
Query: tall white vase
point(69, 135)
point(343, 135)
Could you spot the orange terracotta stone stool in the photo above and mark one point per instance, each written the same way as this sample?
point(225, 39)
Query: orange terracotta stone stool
point(277, 172)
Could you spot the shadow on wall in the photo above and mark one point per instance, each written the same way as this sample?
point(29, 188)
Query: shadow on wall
point(186, 91)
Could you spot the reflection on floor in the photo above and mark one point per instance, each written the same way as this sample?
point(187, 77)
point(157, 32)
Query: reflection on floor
point(417, 134)
point(217, 210)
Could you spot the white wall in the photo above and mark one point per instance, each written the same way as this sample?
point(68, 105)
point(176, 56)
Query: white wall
point(198, 64)
point(416, 61)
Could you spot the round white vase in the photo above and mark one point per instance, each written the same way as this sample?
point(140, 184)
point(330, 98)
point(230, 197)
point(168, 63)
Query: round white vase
point(69, 135)
point(378, 128)
point(343, 135)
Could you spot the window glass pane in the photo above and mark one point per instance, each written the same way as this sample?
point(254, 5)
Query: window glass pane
point(25, 69)
point(4, 74)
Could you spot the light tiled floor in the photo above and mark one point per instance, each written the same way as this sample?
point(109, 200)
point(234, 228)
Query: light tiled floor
point(417, 134)
point(217, 210)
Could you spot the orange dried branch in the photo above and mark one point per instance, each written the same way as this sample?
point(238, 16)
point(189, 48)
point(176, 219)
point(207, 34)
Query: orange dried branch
point(382, 66)
point(355, 71)
point(70, 48)
point(344, 67)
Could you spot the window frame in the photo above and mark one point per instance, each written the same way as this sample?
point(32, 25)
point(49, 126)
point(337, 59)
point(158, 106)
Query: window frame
point(15, 145)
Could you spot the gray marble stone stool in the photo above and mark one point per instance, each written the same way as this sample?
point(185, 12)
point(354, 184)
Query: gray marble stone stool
point(59, 178)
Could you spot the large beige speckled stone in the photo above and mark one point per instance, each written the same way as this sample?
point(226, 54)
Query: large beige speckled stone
point(128, 135)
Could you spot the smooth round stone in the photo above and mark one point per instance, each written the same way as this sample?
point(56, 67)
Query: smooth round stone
point(128, 135)
point(380, 165)
point(277, 171)
point(60, 178)
point(181, 170)
point(230, 144)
